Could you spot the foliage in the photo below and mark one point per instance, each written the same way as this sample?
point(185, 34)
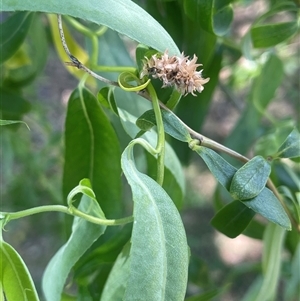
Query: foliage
point(126, 138)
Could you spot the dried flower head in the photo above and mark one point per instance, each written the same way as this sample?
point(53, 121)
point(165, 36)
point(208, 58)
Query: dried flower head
point(178, 71)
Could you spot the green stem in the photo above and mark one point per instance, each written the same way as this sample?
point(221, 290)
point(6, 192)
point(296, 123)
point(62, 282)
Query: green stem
point(160, 146)
point(7, 216)
point(115, 69)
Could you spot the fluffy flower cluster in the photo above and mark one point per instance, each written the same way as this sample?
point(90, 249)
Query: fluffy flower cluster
point(176, 71)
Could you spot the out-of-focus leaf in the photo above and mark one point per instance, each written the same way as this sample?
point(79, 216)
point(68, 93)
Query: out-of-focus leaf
point(15, 279)
point(139, 25)
point(13, 32)
point(271, 262)
point(157, 225)
point(7, 122)
point(262, 92)
point(83, 235)
point(268, 206)
point(272, 34)
point(12, 105)
point(219, 167)
point(232, 219)
point(290, 147)
point(106, 98)
point(250, 179)
point(92, 151)
point(210, 295)
point(116, 283)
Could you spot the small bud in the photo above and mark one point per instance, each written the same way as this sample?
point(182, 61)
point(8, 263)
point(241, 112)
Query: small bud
point(178, 71)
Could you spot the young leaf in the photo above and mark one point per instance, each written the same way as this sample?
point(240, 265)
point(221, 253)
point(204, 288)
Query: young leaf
point(219, 167)
point(92, 151)
point(139, 25)
point(106, 97)
point(267, 205)
point(272, 34)
point(250, 179)
point(13, 32)
point(290, 148)
point(7, 122)
point(15, 278)
point(159, 251)
point(83, 235)
point(232, 219)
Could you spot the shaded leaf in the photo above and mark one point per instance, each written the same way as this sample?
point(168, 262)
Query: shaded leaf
point(61, 264)
point(139, 25)
point(267, 205)
point(13, 32)
point(157, 226)
point(7, 122)
point(15, 278)
point(209, 295)
point(92, 151)
point(219, 167)
point(232, 219)
point(290, 148)
point(106, 97)
point(250, 179)
point(272, 34)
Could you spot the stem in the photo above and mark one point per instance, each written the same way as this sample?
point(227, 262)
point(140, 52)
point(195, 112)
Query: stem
point(115, 69)
point(71, 211)
point(160, 146)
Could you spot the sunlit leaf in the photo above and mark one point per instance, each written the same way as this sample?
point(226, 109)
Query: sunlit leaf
point(139, 25)
point(158, 265)
point(83, 235)
point(250, 179)
point(13, 32)
point(15, 278)
point(232, 219)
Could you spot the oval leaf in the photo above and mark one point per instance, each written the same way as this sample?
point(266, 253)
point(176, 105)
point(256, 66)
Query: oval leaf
point(92, 151)
point(232, 219)
point(13, 32)
point(14, 276)
point(250, 179)
point(139, 25)
point(267, 205)
point(61, 264)
point(272, 34)
point(159, 251)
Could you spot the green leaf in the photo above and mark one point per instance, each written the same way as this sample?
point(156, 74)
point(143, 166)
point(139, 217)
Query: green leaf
point(106, 97)
point(222, 19)
point(267, 205)
point(83, 235)
point(116, 283)
point(172, 124)
point(272, 34)
point(92, 151)
point(15, 278)
point(139, 25)
point(7, 122)
point(219, 167)
point(13, 32)
point(290, 148)
point(232, 219)
point(209, 295)
point(250, 179)
point(12, 104)
point(273, 246)
point(159, 251)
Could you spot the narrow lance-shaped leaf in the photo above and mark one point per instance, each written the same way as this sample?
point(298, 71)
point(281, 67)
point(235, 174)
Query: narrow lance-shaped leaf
point(250, 179)
point(139, 25)
point(15, 278)
point(159, 252)
point(13, 32)
point(92, 151)
point(82, 231)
